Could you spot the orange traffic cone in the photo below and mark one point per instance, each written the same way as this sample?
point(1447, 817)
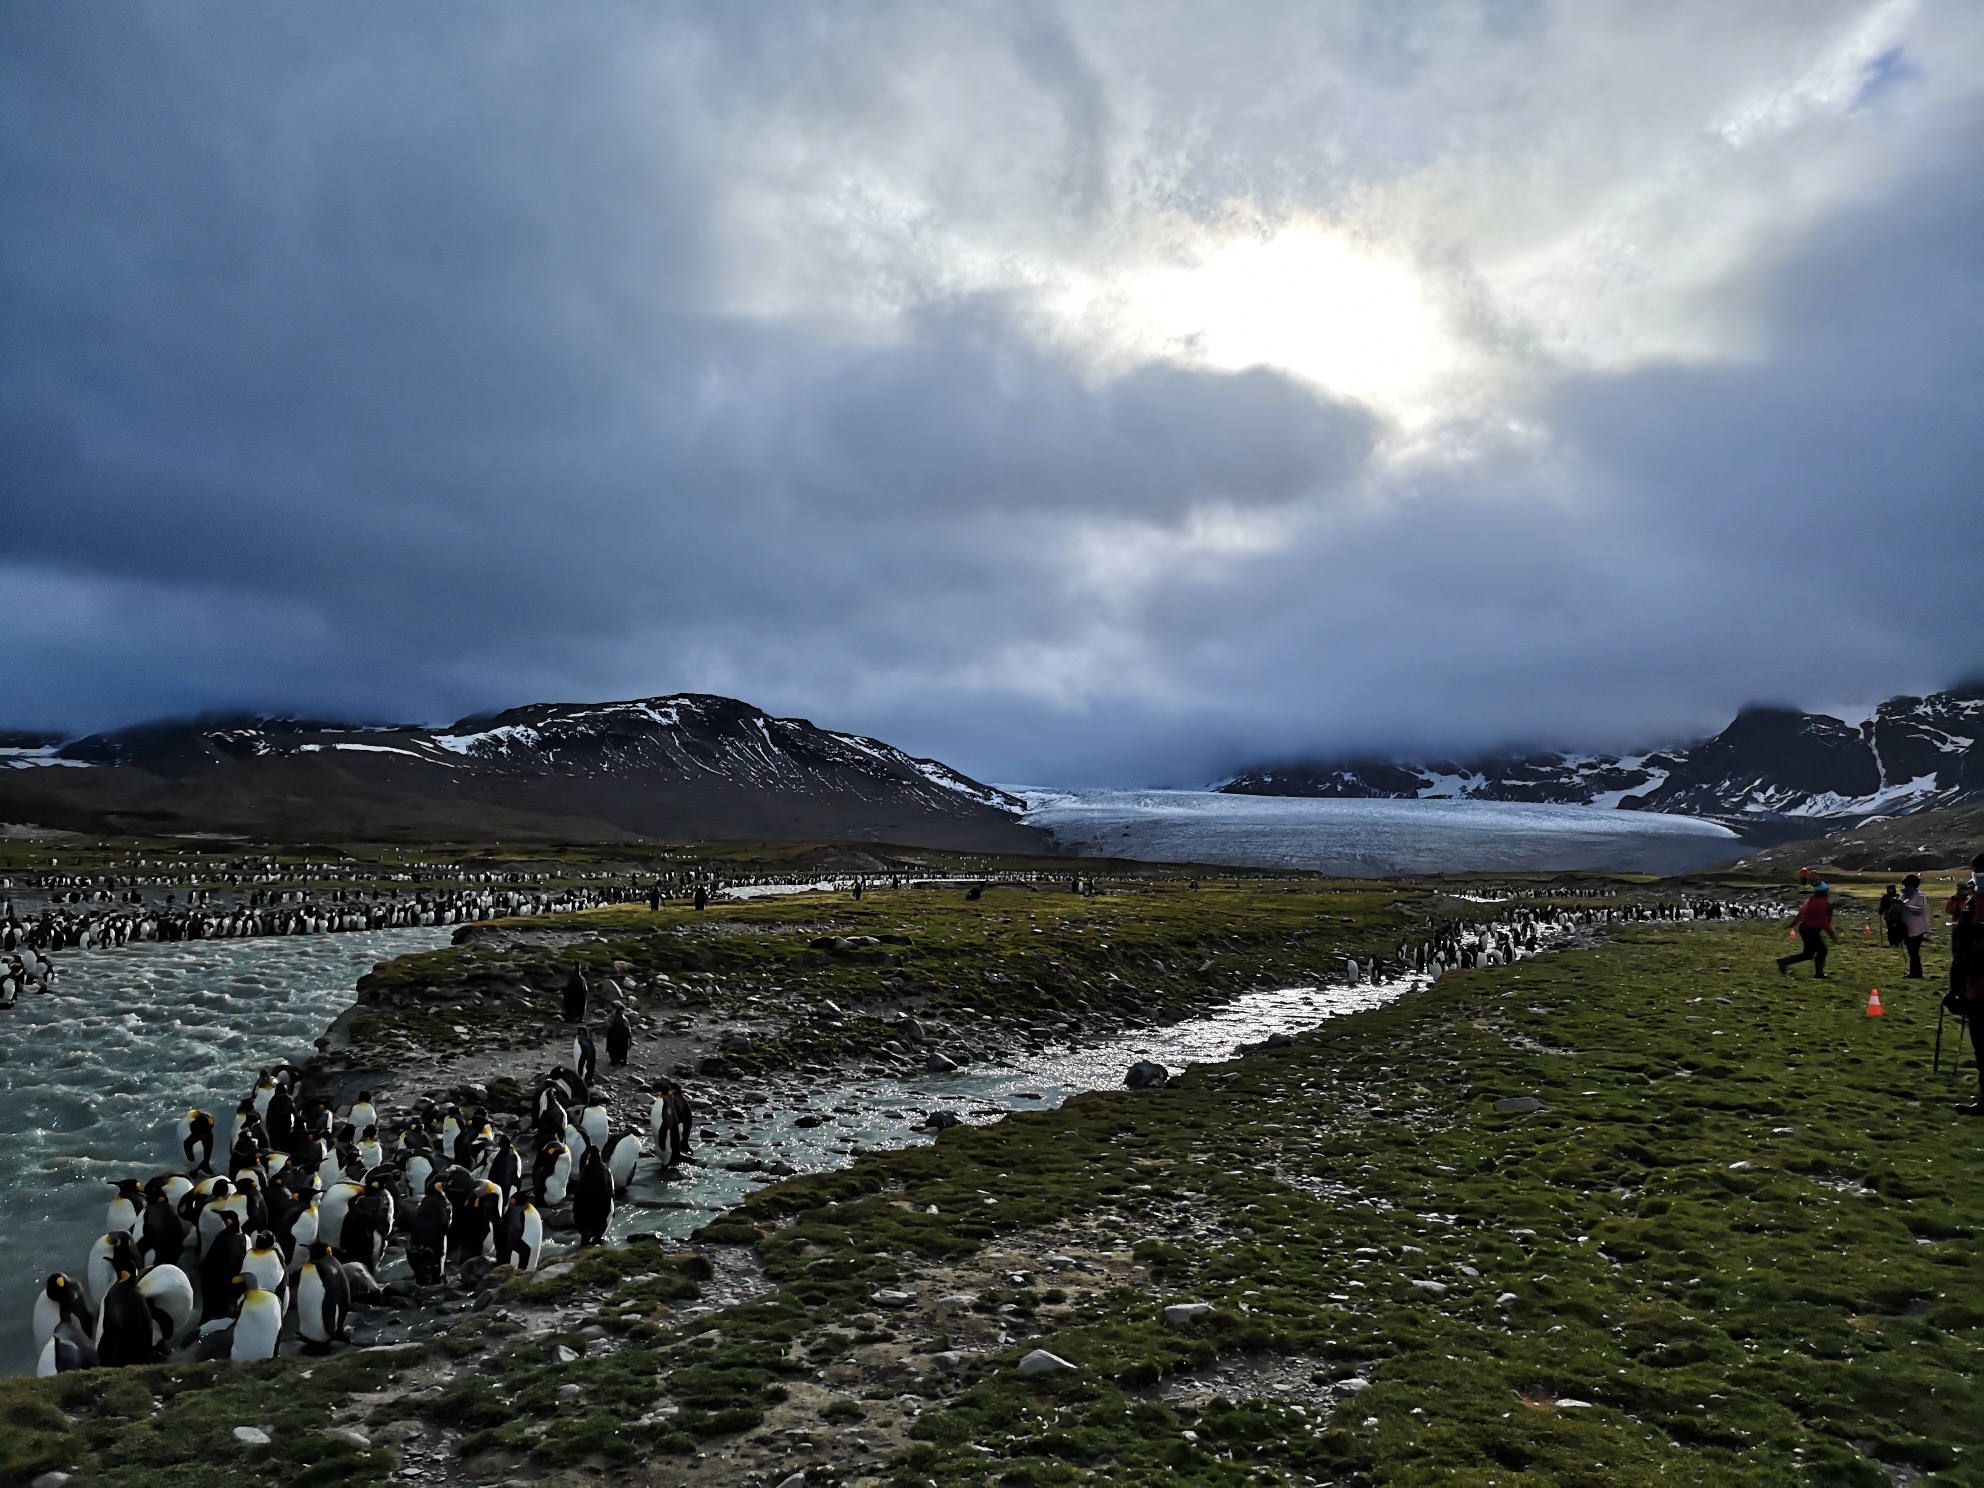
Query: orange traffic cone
point(1866, 929)
point(1874, 1003)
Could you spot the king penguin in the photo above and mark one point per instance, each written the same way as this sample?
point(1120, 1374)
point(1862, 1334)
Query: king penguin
point(61, 1297)
point(623, 1154)
point(67, 1348)
point(124, 1332)
point(323, 1297)
point(592, 1200)
point(258, 1325)
point(127, 1209)
point(196, 1141)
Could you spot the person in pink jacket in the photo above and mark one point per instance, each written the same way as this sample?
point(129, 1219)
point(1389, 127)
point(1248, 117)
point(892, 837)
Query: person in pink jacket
point(1813, 922)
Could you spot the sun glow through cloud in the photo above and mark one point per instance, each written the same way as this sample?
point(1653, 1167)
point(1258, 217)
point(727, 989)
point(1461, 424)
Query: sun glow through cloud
point(1303, 301)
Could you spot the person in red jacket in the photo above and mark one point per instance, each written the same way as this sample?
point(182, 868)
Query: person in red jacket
point(1813, 922)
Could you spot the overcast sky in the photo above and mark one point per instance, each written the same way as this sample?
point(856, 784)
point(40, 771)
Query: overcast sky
point(1079, 393)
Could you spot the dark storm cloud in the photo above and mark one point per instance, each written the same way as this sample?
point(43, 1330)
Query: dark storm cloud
point(398, 361)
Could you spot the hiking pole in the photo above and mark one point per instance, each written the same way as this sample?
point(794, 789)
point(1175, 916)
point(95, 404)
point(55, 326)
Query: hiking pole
point(1936, 1067)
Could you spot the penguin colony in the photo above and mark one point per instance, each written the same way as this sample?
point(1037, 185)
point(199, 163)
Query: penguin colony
point(69, 924)
point(64, 928)
point(1462, 945)
point(281, 1229)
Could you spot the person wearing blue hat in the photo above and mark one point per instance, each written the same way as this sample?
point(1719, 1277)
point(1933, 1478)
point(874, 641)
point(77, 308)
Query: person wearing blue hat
point(1813, 922)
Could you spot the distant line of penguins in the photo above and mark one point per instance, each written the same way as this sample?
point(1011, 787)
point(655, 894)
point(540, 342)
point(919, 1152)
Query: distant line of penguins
point(305, 1208)
point(61, 929)
point(1499, 943)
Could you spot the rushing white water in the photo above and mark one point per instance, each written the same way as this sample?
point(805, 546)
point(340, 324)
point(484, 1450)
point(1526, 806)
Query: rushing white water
point(94, 1075)
point(1371, 837)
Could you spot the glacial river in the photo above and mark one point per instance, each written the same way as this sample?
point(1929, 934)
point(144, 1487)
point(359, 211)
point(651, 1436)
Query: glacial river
point(93, 1076)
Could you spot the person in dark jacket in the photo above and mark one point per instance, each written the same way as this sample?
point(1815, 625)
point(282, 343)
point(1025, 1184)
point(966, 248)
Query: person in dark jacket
point(1889, 913)
point(1813, 922)
point(1966, 994)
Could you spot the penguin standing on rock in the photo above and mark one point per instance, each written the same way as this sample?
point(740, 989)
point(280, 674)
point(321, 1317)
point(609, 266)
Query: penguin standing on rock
point(263, 1264)
point(368, 1223)
point(168, 1292)
point(520, 1237)
point(219, 1266)
point(61, 1298)
point(323, 1297)
point(160, 1235)
point(126, 1211)
point(427, 1245)
point(577, 994)
point(506, 1168)
point(68, 1348)
point(109, 1254)
point(279, 1120)
point(623, 1155)
point(594, 1122)
point(258, 1325)
point(592, 1200)
point(551, 1174)
point(124, 1331)
point(619, 1036)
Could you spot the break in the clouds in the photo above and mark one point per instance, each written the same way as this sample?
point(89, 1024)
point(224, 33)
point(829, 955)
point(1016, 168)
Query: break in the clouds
point(1077, 392)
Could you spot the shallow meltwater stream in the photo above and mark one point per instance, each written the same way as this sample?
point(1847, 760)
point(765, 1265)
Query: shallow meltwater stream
point(878, 1114)
point(94, 1076)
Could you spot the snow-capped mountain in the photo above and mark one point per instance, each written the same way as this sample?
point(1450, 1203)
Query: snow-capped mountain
point(690, 765)
point(1913, 754)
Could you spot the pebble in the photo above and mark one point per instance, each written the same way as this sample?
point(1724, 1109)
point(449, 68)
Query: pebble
point(1184, 1314)
point(566, 1355)
point(888, 1297)
point(50, 1480)
point(957, 1301)
point(950, 1359)
point(1352, 1385)
point(1505, 1299)
point(1042, 1362)
point(349, 1434)
point(570, 1392)
point(1517, 1103)
point(1437, 1288)
point(797, 1480)
point(255, 1436)
point(939, 1064)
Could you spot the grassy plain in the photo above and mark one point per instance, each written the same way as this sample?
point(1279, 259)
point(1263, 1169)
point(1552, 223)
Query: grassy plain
point(1735, 1242)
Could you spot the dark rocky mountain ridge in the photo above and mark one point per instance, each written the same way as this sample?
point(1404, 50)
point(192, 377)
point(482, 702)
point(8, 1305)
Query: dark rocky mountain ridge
point(1771, 767)
point(689, 766)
